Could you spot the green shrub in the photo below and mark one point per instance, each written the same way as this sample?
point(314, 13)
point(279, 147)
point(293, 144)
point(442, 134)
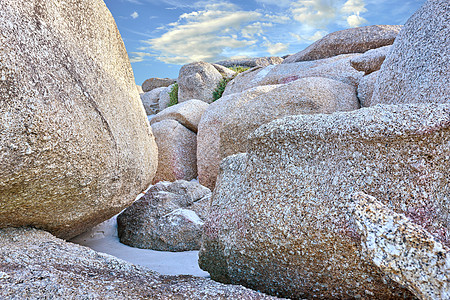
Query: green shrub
point(223, 83)
point(238, 69)
point(220, 88)
point(173, 94)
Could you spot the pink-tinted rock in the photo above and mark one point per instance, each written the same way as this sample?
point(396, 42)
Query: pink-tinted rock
point(177, 149)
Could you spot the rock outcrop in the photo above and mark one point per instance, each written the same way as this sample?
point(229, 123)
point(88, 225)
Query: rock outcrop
point(337, 68)
point(177, 151)
point(417, 69)
point(353, 40)
point(370, 61)
point(186, 113)
point(234, 117)
point(164, 218)
point(75, 144)
point(293, 235)
point(198, 81)
point(36, 265)
point(251, 62)
point(153, 83)
point(401, 249)
point(365, 89)
point(150, 100)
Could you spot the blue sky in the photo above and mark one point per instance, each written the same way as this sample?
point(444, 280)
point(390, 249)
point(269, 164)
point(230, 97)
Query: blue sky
point(162, 35)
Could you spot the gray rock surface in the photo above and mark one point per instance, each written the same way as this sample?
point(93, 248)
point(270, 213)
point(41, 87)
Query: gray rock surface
point(353, 40)
point(417, 69)
point(186, 113)
point(197, 81)
point(75, 144)
point(177, 151)
point(210, 127)
point(164, 219)
point(401, 249)
point(150, 100)
point(153, 83)
point(251, 62)
point(164, 98)
point(365, 89)
point(139, 89)
point(370, 61)
point(337, 68)
point(294, 234)
point(235, 117)
point(36, 265)
point(224, 71)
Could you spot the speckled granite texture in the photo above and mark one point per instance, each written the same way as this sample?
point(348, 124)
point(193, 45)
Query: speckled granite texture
point(75, 144)
point(401, 249)
point(352, 40)
point(36, 265)
point(294, 236)
point(417, 69)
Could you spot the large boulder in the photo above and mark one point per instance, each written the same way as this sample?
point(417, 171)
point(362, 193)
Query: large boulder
point(353, 40)
point(36, 265)
point(164, 218)
point(337, 68)
point(198, 81)
point(402, 249)
point(370, 61)
point(150, 100)
point(210, 126)
point(75, 144)
point(177, 151)
point(164, 97)
point(153, 83)
point(186, 113)
point(230, 120)
point(251, 62)
point(293, 234)
point(417, 69)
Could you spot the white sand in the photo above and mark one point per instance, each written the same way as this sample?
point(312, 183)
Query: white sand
point(103, 238)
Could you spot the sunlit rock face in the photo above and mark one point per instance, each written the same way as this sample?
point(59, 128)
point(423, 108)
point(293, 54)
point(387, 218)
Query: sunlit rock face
point(279, 220)
point(75, 144)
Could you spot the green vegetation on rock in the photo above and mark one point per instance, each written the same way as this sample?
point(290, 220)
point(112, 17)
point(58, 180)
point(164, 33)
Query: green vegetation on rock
point(173, 94)
point(223, 83)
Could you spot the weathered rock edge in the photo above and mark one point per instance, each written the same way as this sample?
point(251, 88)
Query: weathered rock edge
point(36, 265)
point(403, 250)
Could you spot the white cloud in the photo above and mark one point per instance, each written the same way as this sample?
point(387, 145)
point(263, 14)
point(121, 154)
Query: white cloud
point(281, 3)
point(276, 48)
point(354, 6)
point(207, 34)
point(134, 15)
point(314, 13)
point(355, 21)
point(139, 56)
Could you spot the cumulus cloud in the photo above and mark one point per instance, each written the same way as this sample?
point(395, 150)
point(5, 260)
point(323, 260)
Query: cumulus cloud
point(355, 21)
point(314, 13)
point(209, 34)
point(134, 15)
point(275, 48)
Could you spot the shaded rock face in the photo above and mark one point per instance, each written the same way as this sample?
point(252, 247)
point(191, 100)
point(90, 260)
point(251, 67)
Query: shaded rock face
point(36, 265)
point(164, 98)
point(370, 61)
point(293, 233)
point(75, 145)
point(164, 219)
point(224, 71)
point(209, 128)
point(197, 81)
point(150, 100)
point(337, 68)
point(401, 249)
point(417, 69)
point(186, 113)
point(153, 83)
point(177, 150)
point(353, 40)
point(238, 115)
point(366, 87)
point(251, 62)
